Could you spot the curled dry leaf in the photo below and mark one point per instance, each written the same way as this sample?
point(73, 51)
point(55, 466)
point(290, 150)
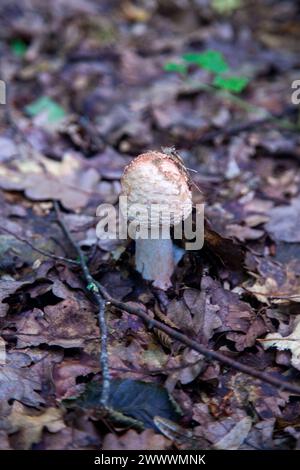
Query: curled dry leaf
point(291, 343)
point(235, 437)
point(30, 425)
point(205, 314)
point(189, 373)
point(69, 181)
point(20, 384)
point(65, 375)
point(183, 438)
point(277, 284)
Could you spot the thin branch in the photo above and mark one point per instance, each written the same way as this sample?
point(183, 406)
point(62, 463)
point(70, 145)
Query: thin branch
point(103, 298)
point(101, 302)
point(38, 250)
point(199, 347)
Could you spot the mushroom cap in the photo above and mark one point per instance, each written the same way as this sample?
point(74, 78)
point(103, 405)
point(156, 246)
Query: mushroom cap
point(157, 183)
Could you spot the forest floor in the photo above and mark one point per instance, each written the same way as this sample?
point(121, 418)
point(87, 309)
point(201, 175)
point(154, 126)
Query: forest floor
point(89, 86)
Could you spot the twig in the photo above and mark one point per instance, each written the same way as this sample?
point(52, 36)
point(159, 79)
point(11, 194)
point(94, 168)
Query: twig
point(151, 322)
point(101, 302)
point(199, 347)
point(39, 250)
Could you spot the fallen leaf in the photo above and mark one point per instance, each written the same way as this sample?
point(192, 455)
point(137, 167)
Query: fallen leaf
point(290, 342)
point(4, 441)
point(70, 181)
point(256, 329)
point(65, 375)
point(183, 438)
point(235, 438)
point(8, 149)
point(284, 223)
point(139, 400)
point(189, 373)
point(180, 315)
point(30, 425)
point(20, 384)
point(234, 314)
point(7, 287)
point(277, 283)
point(71, 438)
point(132, 440)
point(243, 233)
point(69, 324)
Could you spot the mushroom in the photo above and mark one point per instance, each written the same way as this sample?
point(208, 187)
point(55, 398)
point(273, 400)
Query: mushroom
point(158, 196)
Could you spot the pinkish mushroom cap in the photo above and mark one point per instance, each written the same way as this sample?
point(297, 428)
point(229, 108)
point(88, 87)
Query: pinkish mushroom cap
point(157, 189)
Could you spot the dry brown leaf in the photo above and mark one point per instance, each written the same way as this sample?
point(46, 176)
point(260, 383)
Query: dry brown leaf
point(69, 324)
point(281, 289)
point(132, 440)
point(69, 181)
point(290, 342)
point(19, 384)
point(236, 436)
point(30, 426)
point(7, 287)
point(66, 373)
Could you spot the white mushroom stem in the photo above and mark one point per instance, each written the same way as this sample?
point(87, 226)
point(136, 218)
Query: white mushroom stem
point(155, 261)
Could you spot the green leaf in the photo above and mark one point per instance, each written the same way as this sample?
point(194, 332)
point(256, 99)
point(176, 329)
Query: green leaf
point(175, 67)
point(54, 112)
point(92, 287)
point(18, 47)
point(209, 60)
point(139, 400)
point(231, 83)
point(226, 6)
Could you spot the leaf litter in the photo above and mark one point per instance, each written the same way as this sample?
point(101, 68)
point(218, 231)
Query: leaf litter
point(87, 95)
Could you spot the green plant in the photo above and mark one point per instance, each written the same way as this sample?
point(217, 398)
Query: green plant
point(225, 7)
point(214, 62)
point(52, 110)
point(18, 47)
point(223, 83)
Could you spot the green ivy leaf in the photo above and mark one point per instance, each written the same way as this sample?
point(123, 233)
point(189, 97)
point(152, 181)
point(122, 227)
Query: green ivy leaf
point(209, 60)
point(232, 83)
point(175, 67)
point(18, 47)
point(53, 110)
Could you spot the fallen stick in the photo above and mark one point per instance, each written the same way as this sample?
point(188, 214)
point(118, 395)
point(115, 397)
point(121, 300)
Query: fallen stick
point(99, 298)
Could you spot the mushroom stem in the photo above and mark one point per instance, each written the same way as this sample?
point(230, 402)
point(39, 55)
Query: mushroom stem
point(154, 259)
